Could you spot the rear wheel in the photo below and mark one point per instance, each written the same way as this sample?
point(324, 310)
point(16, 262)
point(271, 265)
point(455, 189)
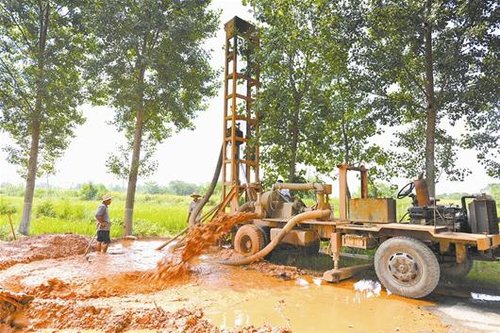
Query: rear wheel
point(407, 267)
point(249, 239)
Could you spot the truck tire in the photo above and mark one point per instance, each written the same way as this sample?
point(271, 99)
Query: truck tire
point(249, 240)
point(451, 269)
point(407, 267)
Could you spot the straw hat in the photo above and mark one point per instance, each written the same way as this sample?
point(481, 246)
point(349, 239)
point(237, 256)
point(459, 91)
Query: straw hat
point(195, 195)
point(106, 197)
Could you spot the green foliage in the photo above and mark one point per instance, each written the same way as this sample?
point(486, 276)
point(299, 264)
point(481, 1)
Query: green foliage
point(89, 191)
point(180, 187)
point(314, 107)
point(7, 209)
point(462, 58)
point(71, 210)
point(46, 208)
point(151, 58)
point(484, 273)
point(493, 190)
point(12, 190)
point(336, 74)
point(40, 77)
point(153, 188)
point(382, 190)
point(42, 52)
point(158, 215)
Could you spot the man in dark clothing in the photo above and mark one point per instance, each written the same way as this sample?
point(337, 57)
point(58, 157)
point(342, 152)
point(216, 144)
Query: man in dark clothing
point(103, 224)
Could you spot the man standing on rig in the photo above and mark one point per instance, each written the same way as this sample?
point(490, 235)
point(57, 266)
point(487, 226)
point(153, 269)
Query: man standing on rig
point(103, 224)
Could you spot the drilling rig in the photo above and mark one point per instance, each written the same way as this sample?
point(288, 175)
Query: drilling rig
point(410, 255)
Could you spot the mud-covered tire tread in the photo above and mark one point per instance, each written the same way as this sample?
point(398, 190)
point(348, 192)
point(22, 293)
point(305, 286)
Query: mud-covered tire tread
point(256, 236)
point(427, 262)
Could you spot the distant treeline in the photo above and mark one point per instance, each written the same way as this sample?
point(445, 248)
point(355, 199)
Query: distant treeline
point(93, 191)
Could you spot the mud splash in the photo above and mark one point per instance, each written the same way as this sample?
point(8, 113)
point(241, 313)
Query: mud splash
point(198, 240)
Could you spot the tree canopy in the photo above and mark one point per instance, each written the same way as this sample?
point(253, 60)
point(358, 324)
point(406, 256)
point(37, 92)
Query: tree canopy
point(155, 73)
point(42, 51)
point(315, 110)
point(433, 65)
point(338, 74)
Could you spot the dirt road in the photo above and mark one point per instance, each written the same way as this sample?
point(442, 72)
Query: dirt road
point(112, 293)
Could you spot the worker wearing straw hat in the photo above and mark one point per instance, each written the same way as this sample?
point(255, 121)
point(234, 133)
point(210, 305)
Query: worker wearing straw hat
point(196, 199)
point(103, 224)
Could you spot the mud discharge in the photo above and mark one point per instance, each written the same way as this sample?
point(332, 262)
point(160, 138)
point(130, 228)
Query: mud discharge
point(198, 240)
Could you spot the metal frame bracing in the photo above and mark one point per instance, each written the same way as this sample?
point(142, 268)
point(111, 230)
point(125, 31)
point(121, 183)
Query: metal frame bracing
point(241, 122)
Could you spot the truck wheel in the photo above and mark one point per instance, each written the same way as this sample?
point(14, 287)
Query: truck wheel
point(407, 267)
point(451, 269)
point(249, 240)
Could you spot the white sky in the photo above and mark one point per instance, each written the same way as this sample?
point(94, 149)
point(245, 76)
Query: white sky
point(190, 155)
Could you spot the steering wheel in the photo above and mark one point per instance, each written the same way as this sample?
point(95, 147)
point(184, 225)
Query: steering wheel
point(406, 190)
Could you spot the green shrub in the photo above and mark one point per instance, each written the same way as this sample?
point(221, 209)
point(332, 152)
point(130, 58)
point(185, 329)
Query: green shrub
point(70, 210)
point(7, 209)
point(89, 191)
point(46, 208)
point(5, 232)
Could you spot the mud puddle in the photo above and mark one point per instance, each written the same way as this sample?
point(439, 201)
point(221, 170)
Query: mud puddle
point(134, 286)
point(225, 297)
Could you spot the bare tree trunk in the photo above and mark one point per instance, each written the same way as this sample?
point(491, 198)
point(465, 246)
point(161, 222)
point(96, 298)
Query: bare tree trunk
point(347, 152)
point(294, 143)
point(430, 132)
point(29, 190)
point(136, 154)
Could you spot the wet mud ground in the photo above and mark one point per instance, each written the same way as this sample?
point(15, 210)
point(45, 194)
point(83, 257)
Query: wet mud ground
point(117, 292)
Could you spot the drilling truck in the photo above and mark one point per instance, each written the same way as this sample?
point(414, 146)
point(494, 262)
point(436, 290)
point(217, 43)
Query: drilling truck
point(410, 254)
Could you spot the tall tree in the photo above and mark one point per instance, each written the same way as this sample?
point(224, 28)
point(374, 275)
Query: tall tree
point(288, 60)
point(313, 103)
point(434, 63)
point(155, 73)
point(348, 122)
point(41, 54)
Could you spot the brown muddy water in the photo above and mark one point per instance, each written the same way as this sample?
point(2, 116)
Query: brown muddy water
point(80, 292)
point(230, 297)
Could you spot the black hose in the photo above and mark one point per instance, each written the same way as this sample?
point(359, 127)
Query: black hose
point(210, 191)
point(464, 206)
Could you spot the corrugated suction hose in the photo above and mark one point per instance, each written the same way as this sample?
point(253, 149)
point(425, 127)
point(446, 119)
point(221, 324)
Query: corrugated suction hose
point(315, 214)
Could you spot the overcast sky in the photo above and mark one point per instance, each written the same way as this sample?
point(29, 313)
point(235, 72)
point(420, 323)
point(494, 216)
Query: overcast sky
point(190, 155)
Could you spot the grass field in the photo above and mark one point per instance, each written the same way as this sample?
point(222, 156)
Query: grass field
point(65, 212)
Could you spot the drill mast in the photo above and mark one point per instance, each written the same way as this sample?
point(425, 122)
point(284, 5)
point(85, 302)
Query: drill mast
point(240, 151)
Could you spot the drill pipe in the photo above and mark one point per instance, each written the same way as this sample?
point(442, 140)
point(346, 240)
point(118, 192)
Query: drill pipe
point(315, 214)
point(299, 186)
